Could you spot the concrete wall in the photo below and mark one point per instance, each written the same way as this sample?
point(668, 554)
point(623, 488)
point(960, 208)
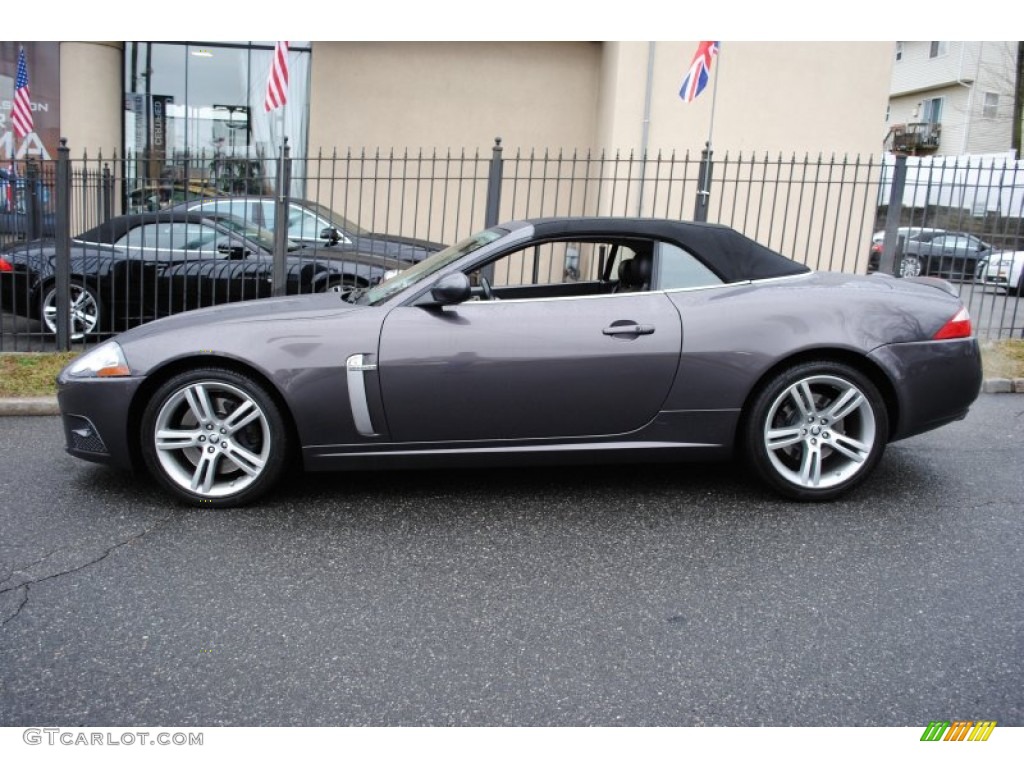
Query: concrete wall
point(453, 95)
point(91, 97)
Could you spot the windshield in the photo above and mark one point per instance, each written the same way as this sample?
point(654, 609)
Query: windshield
point(336, 220)
point(262, 237)
point(429, 266)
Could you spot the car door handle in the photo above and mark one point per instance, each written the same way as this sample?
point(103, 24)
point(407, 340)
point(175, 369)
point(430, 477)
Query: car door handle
point(628, 329)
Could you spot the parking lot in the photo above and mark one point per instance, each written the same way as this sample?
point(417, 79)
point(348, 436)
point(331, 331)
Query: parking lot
point(623, 595)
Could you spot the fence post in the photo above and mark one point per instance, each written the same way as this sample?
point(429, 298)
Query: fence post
point(887, 261)
point(63, 247)
point(107, 194)
point(493, 210)
point(32, 209)
point(700, 208)
point(284, 180)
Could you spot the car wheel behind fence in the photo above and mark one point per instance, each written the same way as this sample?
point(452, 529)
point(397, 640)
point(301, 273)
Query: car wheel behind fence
point(910, 265)
point(84, 314)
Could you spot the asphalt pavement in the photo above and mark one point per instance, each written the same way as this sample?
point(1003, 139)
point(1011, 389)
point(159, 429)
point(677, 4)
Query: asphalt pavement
point(623, 595)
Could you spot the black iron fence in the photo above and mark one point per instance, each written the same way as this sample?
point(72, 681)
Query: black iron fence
point(72, 272)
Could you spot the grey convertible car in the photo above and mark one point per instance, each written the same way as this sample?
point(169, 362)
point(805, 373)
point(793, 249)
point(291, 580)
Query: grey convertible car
point(555, 340)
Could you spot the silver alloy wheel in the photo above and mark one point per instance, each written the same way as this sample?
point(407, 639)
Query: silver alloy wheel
point(212, 439)
point(819, 432)
point(910, 266)
point(84, 316)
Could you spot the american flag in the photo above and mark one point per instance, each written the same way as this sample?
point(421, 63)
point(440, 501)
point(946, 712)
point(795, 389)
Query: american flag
point(277, 80)
point(700, 69)
point(21, 112)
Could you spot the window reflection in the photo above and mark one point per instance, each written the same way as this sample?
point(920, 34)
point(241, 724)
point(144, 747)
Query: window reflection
point(194, 117)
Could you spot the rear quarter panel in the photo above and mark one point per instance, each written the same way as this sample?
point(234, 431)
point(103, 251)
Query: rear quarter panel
point(734, 335)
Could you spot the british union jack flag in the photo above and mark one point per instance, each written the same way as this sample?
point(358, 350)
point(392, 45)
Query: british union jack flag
point(700, 69)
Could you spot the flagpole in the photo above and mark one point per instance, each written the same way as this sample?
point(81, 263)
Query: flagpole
point(700, 209)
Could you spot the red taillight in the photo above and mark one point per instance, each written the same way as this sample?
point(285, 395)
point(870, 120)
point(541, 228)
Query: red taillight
point(876, 248)
point(5, 266)
point(958, 326)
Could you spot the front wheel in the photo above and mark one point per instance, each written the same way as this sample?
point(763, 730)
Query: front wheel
point(816, 430)
point(214, 437)
point(83, 314)
point(910, 265)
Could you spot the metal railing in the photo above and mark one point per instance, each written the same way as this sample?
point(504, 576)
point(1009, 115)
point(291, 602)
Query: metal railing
point(818, 210)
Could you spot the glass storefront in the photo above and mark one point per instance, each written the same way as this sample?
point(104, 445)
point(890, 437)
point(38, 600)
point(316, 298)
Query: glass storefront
point(195, 123)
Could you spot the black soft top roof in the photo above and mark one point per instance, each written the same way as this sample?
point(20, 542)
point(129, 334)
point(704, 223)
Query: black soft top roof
point(115, 228)
point(731, 255)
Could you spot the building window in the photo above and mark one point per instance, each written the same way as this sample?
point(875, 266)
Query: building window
point(939, 48)
point(991, 106)
point(931, 110)
point(194, 115)
point(899, 51)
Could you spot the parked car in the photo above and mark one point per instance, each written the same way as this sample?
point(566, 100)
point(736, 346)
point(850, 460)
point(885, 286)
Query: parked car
point(667, 341)
point(164, 195)
point(878, 242)
point(1004, 270)
point(136, 268)
point(312, 224)
point(15, 203)
point(954, 255)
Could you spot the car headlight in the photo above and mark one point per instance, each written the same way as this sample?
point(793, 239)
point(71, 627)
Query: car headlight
point(106, 361)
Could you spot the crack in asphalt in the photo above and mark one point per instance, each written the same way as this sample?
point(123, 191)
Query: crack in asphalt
point(22, 569)
point(26, 584)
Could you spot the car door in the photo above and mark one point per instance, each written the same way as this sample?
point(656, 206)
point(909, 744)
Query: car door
point(528, 368)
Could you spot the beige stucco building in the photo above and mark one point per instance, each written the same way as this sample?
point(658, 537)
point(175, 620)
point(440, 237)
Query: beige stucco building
point(767, 103)
point(771, 97)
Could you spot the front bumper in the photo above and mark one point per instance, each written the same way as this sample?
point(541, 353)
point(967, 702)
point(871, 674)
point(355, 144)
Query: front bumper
point(95, 415)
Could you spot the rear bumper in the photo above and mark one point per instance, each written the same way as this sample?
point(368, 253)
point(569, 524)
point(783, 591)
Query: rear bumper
point(935, 382)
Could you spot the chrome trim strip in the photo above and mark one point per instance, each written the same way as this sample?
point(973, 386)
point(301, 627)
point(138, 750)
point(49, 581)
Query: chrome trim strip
point(560, 447)
point(355, 368)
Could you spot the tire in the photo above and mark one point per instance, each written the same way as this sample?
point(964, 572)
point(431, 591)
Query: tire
point(86, 309)
point(910, 265)
point(214, 438)
point(1017, 290)
point(816, 430)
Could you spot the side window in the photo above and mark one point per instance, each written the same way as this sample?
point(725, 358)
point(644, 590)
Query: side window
point(195, 237)
point(677, 268)
point(559, 268)
point(237, 208)
point(146, 236)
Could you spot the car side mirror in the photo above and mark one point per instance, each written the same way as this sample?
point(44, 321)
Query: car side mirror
point(233, 251)
point(451, 289)
point(331, 235)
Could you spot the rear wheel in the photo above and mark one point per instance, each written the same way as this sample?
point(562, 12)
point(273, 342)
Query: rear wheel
point(214, 437)
point(816, 430)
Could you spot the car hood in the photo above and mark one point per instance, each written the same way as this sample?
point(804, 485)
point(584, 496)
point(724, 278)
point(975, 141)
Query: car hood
point(405, 249)
point(351, 253)
point(258, 310)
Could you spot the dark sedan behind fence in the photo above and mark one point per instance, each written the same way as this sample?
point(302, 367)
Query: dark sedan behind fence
point(397, 207)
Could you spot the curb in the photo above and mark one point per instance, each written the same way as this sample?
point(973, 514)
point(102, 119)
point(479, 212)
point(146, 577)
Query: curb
point(47, 406)
point(29, 406)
